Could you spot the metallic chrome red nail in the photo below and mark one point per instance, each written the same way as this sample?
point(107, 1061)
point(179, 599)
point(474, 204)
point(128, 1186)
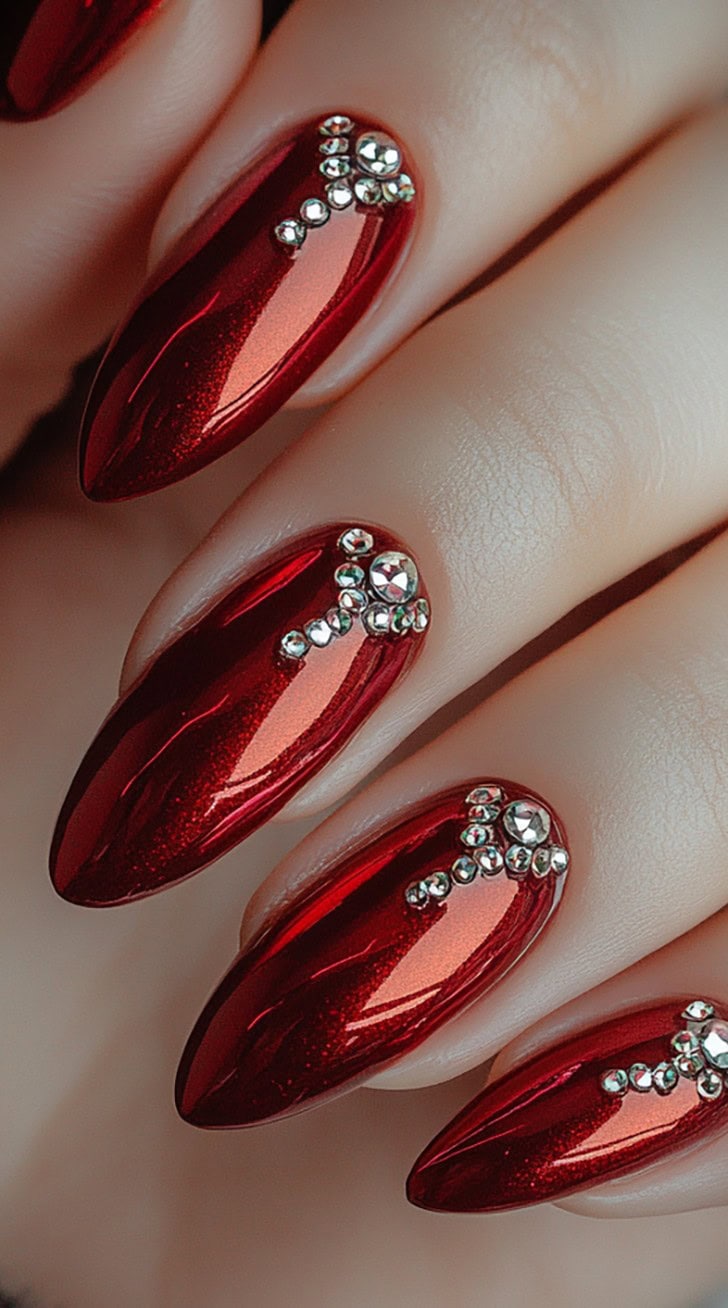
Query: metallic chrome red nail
point(255, 296)
point(238, 713)
point(376, 954)
point(629, 1092)
point(49, 49)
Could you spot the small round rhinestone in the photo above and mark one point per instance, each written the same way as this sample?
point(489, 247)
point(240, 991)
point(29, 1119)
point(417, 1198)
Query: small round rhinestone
point(698, 1011)
point(559, 860)
point(402, 619)
point(527, 823)
point(367, 190)
point(485, 795)
point(353, 601)
point(319, 632)
point(377, 619)
point(664, 1077)
point(420, 614)
point(291, 233)
point(464, 870)
point(438, 885)
point(340, 621)
point(339, 195)
point(714, 1040)
point(397, 190)
point(338, 166)
point(294, 645)
point(334, 145)
point(541, 864)
point(490, 860)
point(416, 894)
point(483, 812)
point(378, 154)
point(350, 574)
point(336, 125)
point(393, 576)
point(685, 1042)
point(356, 541)
point(476, 835)
point(640, 1077)
point(518, 860)
point(615, 1081)
point(710, 1084)
point(689, 1065)
point(315, 212)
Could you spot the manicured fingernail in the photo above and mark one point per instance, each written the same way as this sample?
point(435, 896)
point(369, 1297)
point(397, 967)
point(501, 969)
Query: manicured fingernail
point(49, 49)
point(255, 296)
point(238, 713)
point(629, 1092)
point(379, 952)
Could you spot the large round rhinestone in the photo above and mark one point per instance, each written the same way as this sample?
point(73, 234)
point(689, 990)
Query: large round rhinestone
point(714, 1040)
point(528, 823)
point(378, 154)
point(394, 577)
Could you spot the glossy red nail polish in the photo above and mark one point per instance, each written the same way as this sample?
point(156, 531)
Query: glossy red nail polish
point(241, 314)
point(49, 49)
point(375, 955)
point(603, 1103)
point(238, 713)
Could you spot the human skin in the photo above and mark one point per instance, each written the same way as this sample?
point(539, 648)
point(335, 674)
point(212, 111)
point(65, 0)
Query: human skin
point(574, 387)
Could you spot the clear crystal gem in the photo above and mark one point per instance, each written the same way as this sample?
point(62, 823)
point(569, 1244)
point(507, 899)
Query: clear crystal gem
point(714, 1040)
point(685, 1042)
point(335, 125)
point(640, 1077)
point(339, 165)
point(615, 1081)
point(518, 860)
point(476, 835)
point(340, 621)
point(393, 576)
point(315, 212)
point(464, 870)
point(377, 619)
point(334, 145)
point(527, 822)
point(291, 233)
point(356, 541)
point(710, 1084)
point(378, 154)
point(541, 863)
point(294, 644)
point(490, 860)
point(698, 1011)
point(367, 190)
point(396, 190)
point(438, 885)
point(664, 1077)
point(689, 1065)
point(485, 795)
point(339, 195)
point(420, 610)
point(319, 632)
point(350, 574)
point(559, 860)
point(402, 619)
point(353, 601)
point(416, 894)
point(483, 812)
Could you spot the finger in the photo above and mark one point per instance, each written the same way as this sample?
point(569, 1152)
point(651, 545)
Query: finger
point(501, 113)
point(665, 1146)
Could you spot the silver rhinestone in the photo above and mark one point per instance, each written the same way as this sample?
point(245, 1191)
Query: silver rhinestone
point(396, 190)
point(339, 195)
point(699, 1010)
point(377, 619)
point(490, 860)
point(319, 632)
point(685, 1042)
point(526, 822)
point(350, 574)
point(420, 614)
point(340, 621)
point(476, 835)
point(640, 1077)
point(416, 894)
point(334, 145)
point(518, 860)
point(291, 233)
point(353, 601)
point(378, 154)
point(710, 1084)
point(315, 212)
point(714, 1040)
point(689, 1065)
point(356, 541)
point(485, 795)
point(335, 125)
point(338, 166)
point(615, 1081)
point(393, 576)
point(402, 619)
point(483, 812)
point(464, 870)
point(559, 860)
point(664, 1077)
point(367, 191)
point(438, 885)
point(294, 645)
point(541, 863)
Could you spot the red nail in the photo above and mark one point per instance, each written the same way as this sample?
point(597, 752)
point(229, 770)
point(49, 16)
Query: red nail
point(225, 725)
point(609, 1101)
point(50, 48)
point(376, 955)
point(237, 318)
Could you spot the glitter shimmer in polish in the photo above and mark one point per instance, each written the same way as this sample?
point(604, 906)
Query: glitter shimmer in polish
point(552, 1127)
point(369, 960)
point(223, 727)
point(51, 49)
point(236, 319)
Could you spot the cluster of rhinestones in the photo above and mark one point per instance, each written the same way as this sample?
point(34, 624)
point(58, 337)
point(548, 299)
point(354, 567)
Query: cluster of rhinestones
point(699, 1053)
point(379, 592)
point(367, 170)
point(510, 838)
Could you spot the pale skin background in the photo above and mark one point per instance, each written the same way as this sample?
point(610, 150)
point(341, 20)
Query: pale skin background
point(535, 445)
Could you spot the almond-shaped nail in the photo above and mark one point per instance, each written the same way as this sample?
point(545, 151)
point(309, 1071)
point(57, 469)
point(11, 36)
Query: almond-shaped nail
point(51, 49)
point(629, 1092)
point(254, 297)
point(238, 713)
point(376, 954)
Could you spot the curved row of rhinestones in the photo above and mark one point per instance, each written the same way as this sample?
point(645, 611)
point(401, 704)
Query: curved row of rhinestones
point(700, 1055)
point(371, 175)
point(518, 845)
point(382, 595)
